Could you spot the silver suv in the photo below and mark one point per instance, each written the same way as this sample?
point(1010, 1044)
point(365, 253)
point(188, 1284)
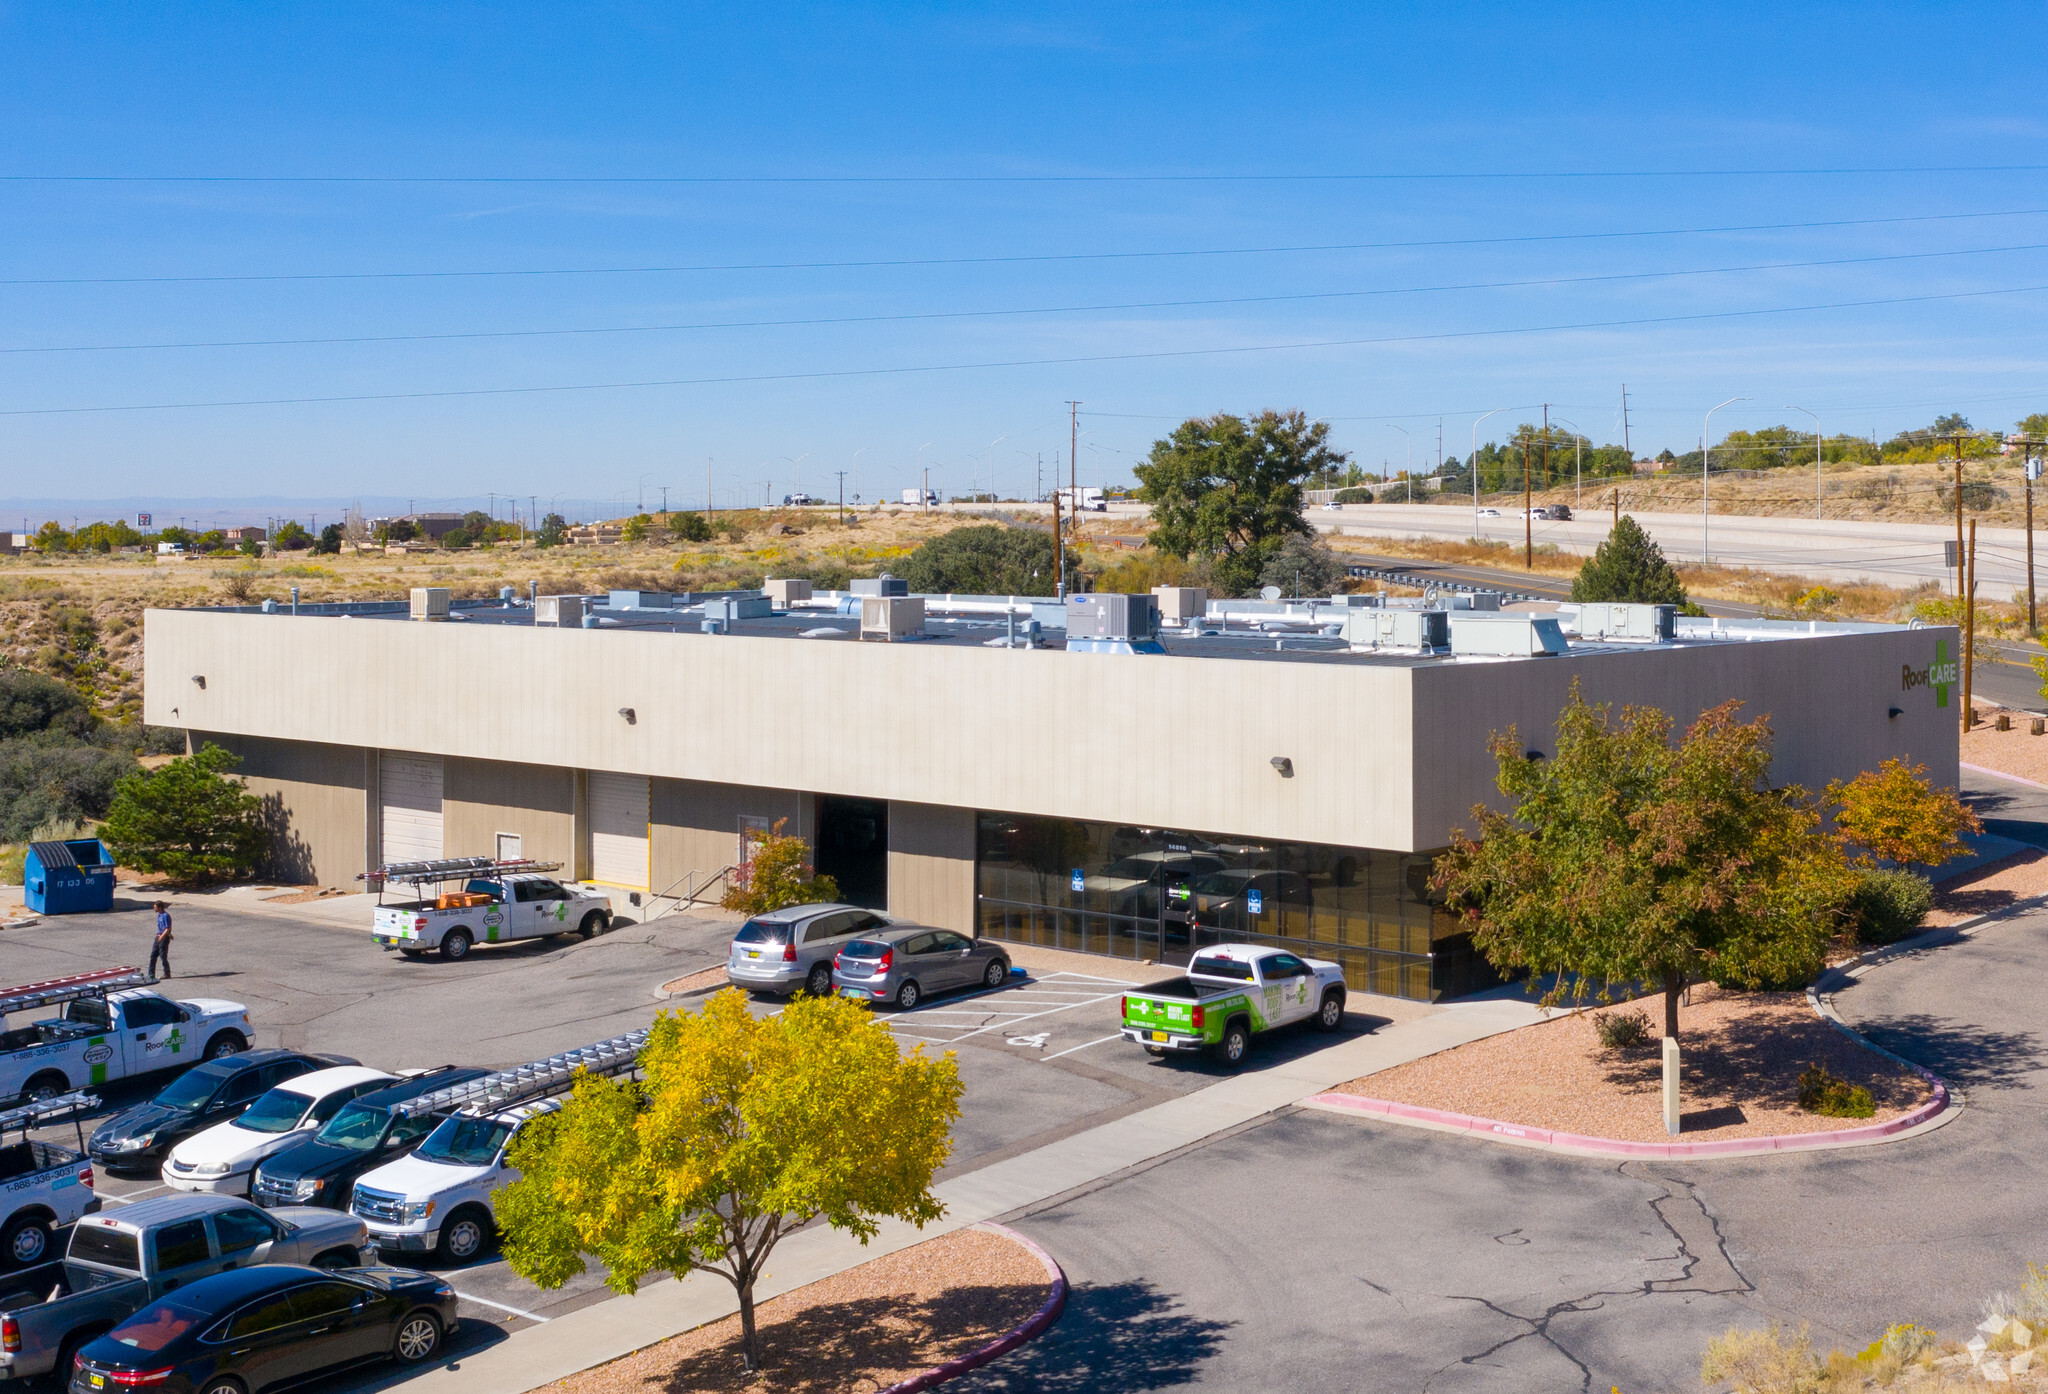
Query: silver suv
point(792, 948)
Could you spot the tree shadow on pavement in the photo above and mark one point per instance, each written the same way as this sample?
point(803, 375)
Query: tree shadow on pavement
point(1121, 1336)
point(1963, 1054)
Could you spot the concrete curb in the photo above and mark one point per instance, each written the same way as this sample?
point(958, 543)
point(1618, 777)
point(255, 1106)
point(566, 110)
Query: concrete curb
point(662, 994)
point(2001, 774)
point(1033, 1327)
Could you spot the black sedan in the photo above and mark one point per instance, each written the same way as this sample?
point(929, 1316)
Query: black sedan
point(139, 1138)
point(252, 1329)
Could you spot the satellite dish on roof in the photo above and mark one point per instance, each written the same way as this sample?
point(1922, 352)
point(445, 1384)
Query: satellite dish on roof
point(1269, 592)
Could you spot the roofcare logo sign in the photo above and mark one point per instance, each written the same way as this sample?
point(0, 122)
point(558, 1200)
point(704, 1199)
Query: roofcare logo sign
point(1939, 675)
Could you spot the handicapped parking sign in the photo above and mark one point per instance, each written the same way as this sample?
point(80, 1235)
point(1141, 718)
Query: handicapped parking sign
point(1078, 883)
point(1255, 902)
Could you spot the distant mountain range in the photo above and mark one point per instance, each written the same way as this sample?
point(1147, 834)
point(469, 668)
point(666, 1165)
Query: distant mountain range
point(29, 514)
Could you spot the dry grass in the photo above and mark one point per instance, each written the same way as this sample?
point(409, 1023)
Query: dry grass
point(1742, 1056)
point(861, 1330)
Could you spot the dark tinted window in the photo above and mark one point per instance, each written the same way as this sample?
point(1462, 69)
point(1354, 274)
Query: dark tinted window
point(148, 1011)
point(1283, 966)
point(865, 948)
point(330, 1105)
point(865, 920)
point(948, 944)
point(828, 927)
point(763, 932)
point(242, 1229)
point(258, 1317)
point(158, 1324)
point(181, 1243)
point(322, 1300)
point(90, 1011)
point(246, 1087)
point(193, 1088)
point(113, 1248)
point(1221, 968)
point(408, 1129)
point(289, 1069)
point(920, 944)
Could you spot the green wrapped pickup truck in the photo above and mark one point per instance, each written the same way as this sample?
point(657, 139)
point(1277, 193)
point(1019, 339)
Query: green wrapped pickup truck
point(1231, 993)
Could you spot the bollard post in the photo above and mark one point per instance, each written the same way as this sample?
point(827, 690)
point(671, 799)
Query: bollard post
point(1671, 1086)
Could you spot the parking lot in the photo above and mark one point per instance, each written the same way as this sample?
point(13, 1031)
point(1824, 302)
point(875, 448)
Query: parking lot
point(1040, 1057)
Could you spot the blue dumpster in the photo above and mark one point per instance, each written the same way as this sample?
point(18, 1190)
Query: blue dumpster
point(66, 878)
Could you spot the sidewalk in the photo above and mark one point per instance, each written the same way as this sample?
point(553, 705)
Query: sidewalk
point(539, 1355)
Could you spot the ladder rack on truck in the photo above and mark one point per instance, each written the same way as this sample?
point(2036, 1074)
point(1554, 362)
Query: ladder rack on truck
point(54, 992)
point(418, 874)
point(493, 900)
point(524, 1083)
point(66, 1108)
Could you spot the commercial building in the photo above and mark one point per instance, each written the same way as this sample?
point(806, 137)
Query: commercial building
point(1274, 771)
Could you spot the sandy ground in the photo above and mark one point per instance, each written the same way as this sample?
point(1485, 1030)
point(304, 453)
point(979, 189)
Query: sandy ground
point(2015, 752)
point(707, 977)
point(1994, 886)
point(861, 1330)
point(1742, 1056)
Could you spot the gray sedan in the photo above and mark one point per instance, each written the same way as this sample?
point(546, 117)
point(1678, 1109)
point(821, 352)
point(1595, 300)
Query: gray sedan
point(907, 963)
point(792, 948)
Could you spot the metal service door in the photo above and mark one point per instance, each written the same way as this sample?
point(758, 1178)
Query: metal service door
point(618, 829)
point(409, 790)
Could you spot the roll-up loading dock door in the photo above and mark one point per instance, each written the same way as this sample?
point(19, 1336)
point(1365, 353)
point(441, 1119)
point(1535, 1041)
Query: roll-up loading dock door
point(618, 829)
point(409, 795)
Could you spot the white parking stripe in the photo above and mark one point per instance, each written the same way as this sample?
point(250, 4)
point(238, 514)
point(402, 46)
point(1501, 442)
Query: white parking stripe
point(486, 1302)
point(134, 1196)
point(1096, 1042)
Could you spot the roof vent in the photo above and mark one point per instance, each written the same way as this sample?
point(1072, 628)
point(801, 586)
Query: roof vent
point(1112, 623)
point(1643, 624)
point(1415, 631)
point(430, 602)
point(1510, 635)
point(884, 584)
point(891, 617)
point(1179, 604)
point(738, 607)
point(784, 593)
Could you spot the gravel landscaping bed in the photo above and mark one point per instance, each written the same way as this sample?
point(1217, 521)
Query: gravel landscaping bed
point(1993, 886)
point(2013, 752)
point(1742, 1056)
point(861, 1330)
point(705, 977)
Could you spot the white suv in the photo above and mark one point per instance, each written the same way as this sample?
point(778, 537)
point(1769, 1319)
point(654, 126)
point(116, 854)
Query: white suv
point(224, 1157)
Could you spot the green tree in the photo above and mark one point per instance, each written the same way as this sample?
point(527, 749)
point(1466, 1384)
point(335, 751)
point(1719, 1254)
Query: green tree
point(476, 523)
point(1226, 487)
point(51, 537)
point(331, 538)
point(745, 1129)
point(553, 529)
point(1627, 859)
point(636, 527)
point(291, 536)
point(250, 547)
point(1304, 566)
point(1628, 566)
point(187, 818)
point(691, 527)
point(987, 559)
point(779, 874)
point(2035, 425)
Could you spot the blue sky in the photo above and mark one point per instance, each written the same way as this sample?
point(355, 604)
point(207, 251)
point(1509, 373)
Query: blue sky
point(1478, 111)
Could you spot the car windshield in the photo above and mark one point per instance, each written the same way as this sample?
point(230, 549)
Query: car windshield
point(762, 932)
point(356, 1128)
point(279, 1111)
point(191, 1089)
point(865, 948)
point(465, 1142)
point(159, 1324)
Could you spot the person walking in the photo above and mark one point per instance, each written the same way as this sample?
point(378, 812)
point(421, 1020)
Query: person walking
point(160, 948)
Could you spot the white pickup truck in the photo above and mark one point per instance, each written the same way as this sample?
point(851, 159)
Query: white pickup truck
point(499, 901)
point(44, 1186)
point(112, 1027)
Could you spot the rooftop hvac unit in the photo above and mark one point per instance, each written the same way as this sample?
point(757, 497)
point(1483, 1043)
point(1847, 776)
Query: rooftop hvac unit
point(1509, 635)
point(891, 617)
point(1361, 600)
point(783, 594)
point(560, 611)
point(1415, 631)
point(738, 607)
point(884, 584)
point(1646, 624)
point(1476, 600)
point(430, 602)
point(1180, 603)
point(639, 600)
point(1113, 623)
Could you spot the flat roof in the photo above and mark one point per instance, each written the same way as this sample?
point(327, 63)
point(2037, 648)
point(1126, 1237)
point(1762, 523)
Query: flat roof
point(1299, 631)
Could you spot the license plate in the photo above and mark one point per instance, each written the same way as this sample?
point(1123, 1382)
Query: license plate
point(99, 1381)
point(1158, 1035)
point(752, 953)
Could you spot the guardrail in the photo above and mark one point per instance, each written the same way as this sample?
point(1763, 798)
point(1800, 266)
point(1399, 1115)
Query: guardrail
point(1442, 583)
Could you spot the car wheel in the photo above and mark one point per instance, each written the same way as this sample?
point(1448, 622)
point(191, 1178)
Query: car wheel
point(455, 945)
point(419, 1336)
point(1330, 1015)
point(223, 1385)
point(909, 995)
point(464, 1236)
point(45, 1086)
point(1235, 1045)
point(998, 973)
point(819, 984)
point(593, 924)
point(226, 1043)
point(25, 1241)
point(67, 1359)
point(1156, 1052)
point(339, 1258)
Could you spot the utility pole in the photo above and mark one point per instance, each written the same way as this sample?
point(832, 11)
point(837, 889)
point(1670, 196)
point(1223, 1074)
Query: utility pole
point(2033, 630)
point(1546, 445)
point(1970, 628)
point(1073, 494)
point(707, 488)
point(842, 498)
point(1958, 439)
point(1617, 508)
point(1528, 527)
point(1624, 428)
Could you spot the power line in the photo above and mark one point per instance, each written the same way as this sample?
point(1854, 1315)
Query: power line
point(832, 373)
point(1013, 259)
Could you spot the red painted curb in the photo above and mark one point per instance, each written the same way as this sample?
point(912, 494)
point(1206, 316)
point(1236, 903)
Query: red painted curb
point(1726, 1147)
point(1033, 1327)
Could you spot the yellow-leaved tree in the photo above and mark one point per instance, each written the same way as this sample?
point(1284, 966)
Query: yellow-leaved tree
point(743, 1129)
point(1894, 812)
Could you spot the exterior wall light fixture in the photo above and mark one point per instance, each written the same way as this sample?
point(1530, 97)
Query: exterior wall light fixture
point(1284, 765)
point(200, 678)
point(627, 712)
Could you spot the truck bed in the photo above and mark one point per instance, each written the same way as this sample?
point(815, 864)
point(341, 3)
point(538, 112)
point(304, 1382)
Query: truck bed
point(1186, 989)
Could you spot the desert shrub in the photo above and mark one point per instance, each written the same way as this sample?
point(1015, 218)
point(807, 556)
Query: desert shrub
point(1822, 1093)
point(35, 702)
point(690, 527)
point(1888, 905)
point(1354, 496)
point(1624, 1030)
point(2033, 1303)
point(1763, 1362)
point(1303, 566)
point(48, 776)
point(984, 560)
point(1905, 1341)
point(14, 865)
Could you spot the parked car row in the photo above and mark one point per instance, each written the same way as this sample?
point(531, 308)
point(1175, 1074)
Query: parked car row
point(827, 948)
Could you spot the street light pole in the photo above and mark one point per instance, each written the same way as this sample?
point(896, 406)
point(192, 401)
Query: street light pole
point(1706, 429)
point(1409, 442)
point(1816, 458)
point(924, 488)
point(992, 467)
point(1472, 463)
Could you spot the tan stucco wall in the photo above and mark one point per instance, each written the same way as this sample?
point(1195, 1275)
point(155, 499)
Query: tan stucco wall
point(931, 865)
point(482, 798)
point(316, 804)
point(695, 825)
